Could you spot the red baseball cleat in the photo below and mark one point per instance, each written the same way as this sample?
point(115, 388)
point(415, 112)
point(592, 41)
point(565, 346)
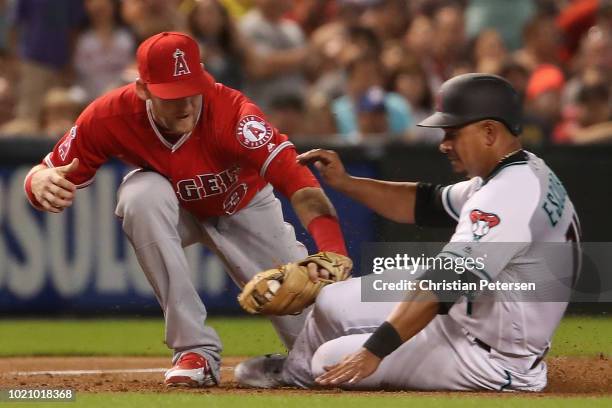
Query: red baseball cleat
point(191, 370)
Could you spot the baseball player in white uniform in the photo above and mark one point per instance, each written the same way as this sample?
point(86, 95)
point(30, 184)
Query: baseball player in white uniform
point(442, 338)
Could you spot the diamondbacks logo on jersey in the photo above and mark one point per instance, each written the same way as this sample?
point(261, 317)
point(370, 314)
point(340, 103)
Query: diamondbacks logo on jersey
point(64, 148)
point(180, 65)
point(482, 222)
point(253, 132)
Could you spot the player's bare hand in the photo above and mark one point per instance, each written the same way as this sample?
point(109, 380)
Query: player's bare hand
point(353, 368)
point(329, 165)
point(52, 189)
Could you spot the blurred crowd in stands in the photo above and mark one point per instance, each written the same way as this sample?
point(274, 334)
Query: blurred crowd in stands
point(349, 69)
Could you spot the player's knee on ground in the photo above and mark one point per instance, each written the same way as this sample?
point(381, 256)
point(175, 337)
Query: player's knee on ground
point(144, 193)
point(326, 355)
point(333, 351)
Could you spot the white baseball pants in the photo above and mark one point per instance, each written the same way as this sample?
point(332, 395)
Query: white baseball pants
point(443, 356)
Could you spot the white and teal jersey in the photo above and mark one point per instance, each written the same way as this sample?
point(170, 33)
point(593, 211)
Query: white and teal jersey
point(505, 219)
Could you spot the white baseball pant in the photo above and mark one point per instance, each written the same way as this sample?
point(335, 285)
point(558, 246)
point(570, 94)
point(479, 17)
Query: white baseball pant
point(443, 356)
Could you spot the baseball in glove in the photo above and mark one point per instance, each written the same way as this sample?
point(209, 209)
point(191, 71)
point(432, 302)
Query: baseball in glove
point(288, 288)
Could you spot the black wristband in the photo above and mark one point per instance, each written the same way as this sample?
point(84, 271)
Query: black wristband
point(384, 341)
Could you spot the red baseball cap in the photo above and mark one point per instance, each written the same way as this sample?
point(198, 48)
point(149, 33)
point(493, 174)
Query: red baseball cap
point(545, 78)
point(169, 63)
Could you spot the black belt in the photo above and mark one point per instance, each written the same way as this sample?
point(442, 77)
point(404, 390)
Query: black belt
point(487, 348)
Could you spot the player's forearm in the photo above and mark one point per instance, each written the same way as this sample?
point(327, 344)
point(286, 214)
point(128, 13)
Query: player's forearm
point(310, 203)
point(407, 319)
point(411, 316)
point(391, 200)
point(318, 215)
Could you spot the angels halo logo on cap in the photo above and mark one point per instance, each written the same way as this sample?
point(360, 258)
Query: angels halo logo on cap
point(169, 64)
point(180, 65)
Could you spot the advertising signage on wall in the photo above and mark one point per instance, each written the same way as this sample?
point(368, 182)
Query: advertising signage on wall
point(81, 262)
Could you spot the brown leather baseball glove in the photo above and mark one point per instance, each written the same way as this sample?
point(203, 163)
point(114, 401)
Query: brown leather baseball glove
point(288, 288)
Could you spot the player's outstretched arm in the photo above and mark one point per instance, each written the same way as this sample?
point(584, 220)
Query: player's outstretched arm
point(49, 189)
point(310, 203)
point(392, 200)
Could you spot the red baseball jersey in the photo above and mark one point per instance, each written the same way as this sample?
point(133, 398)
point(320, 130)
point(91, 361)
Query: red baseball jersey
point(215, 170)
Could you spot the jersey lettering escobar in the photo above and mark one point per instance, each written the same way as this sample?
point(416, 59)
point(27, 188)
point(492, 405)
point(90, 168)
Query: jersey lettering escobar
point(515, 221)
point(215, 170)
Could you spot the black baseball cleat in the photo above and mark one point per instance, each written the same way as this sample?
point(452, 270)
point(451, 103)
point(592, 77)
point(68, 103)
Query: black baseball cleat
point(261, 372)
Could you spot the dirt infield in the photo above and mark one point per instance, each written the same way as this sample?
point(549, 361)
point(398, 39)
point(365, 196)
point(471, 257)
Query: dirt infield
point(567, 376)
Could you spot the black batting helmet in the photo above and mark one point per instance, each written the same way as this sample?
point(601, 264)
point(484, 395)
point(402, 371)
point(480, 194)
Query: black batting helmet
point(469, 98)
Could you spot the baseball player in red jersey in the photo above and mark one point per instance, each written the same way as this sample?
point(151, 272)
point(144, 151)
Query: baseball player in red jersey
point(207, 160)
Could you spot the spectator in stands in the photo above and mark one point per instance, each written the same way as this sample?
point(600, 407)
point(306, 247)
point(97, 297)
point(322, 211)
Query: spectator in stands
point(589, 121)
point(149, 17)
point(574, 20)
point(419, 37)
point(448, 45)
point(61, 107)
point(355, 51)
point(320, 121)
point(335, 44)
point(372, 114)
point(517, 75)
point(280, 45)
point(507, 17)
point(489, 52)
point(543, 103)
point(333, 54)
point(364, 74)
point(541, 42)
point(387, 18)
point(592, 63)
point(593, 105)
point(604, 14)
point(411, 82)
point(7, 67)
point(237, 8)
point(4, 26)
point(44, 30)
point(350, 12)
point(104, 50)
point(311, 14)
point(7, 91)
point(288, 114)
point(325, 66)
point(223, 51)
